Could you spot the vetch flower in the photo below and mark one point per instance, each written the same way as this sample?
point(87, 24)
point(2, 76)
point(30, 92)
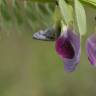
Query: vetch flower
point(68, 48)
point(91, 49)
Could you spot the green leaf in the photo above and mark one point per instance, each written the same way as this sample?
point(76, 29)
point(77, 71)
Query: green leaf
point(33, 14)
point(4, 10)
point(65, 11)
point(92, 3)
point(29, 11)
point(80, 17)
point(44, 1)
point(17, 12)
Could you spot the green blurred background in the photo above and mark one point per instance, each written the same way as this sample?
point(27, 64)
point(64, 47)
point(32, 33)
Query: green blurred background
point(32, 68)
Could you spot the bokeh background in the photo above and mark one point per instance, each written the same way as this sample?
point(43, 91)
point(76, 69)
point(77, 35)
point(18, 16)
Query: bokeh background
point(32, 68)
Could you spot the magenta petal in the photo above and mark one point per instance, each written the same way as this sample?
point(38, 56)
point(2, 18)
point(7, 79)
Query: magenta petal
point(91, 49)
point(68, 47)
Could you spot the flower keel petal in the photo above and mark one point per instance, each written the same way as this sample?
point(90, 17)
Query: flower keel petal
point(91, 49)
point(68, 47)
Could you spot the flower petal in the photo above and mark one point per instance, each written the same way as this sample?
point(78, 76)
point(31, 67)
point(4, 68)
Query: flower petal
point(68, 47)
point(91, 49)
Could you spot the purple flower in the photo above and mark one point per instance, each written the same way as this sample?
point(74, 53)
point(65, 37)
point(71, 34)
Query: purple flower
point(68, 48)
point(91, 49)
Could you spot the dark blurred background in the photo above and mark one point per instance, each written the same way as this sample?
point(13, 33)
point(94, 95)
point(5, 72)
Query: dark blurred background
point(32, 68)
